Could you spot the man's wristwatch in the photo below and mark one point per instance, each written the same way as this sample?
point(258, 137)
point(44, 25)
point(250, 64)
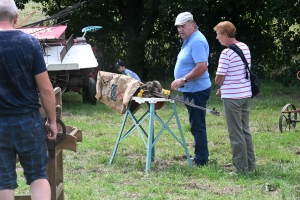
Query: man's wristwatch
point(184, 79)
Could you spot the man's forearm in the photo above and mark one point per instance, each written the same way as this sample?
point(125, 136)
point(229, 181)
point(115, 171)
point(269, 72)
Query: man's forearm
point(197, 72)
point(48, 102)
point(47, 95)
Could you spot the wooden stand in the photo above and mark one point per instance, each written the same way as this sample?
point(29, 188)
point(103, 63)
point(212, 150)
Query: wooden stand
point(55, 164)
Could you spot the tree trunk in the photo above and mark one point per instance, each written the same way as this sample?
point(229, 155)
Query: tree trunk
point(138, 20)
point(135, 58)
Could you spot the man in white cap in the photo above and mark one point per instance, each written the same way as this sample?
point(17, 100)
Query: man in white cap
point(192, 78)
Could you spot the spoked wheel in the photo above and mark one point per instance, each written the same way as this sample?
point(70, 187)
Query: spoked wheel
point(61, 131)
point(59, 79)
point(287, 119)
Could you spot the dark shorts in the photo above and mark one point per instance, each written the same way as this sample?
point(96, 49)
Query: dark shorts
point(25, 136)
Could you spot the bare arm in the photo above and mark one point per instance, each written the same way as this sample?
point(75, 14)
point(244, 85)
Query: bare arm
point(197, 72)
point(219, 79)
point(48, 100)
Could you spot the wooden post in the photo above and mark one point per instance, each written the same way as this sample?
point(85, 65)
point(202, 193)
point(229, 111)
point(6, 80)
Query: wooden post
point(55, 163)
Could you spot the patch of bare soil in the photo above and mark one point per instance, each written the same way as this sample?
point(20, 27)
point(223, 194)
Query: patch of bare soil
point(194, 184)
point(227, 190)
point(160, 165)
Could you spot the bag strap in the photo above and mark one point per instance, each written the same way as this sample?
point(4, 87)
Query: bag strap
point(239, 52)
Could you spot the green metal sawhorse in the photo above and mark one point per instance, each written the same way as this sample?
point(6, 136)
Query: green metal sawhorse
point(152, 139)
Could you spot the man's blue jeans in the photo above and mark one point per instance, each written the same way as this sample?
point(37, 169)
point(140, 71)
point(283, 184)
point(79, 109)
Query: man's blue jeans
point(198, 124)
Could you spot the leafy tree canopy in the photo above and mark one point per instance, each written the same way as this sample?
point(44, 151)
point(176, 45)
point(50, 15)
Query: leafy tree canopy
point(142, 32)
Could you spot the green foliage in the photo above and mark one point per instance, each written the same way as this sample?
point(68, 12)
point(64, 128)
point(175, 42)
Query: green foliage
point(143, 33)
point(31, 7)
point(21, 3)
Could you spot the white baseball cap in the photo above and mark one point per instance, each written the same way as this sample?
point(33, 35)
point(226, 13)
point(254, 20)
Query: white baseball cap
point(182, 18)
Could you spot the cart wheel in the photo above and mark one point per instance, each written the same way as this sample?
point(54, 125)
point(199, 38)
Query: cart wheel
point(89, 93)
point(287, 118)
point(92, 91)
point(61, 131)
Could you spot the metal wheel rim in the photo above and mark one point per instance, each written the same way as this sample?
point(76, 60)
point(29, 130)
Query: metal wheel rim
point(61, 131)
point(287, 120)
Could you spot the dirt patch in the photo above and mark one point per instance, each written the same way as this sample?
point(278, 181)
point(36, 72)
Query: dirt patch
point(227, 190)
point(217, 190)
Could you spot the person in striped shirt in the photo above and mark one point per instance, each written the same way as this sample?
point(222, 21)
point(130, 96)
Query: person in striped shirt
point(235, 92)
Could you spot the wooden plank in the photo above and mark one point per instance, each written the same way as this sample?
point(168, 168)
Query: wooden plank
point(60, 191)
point(59, 169)
point(68, 143)
point(23, 197)
point(74, 132)
point(51, 169)
point(25, 19)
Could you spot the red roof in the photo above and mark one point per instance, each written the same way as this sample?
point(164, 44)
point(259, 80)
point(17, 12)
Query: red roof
point(45, 32)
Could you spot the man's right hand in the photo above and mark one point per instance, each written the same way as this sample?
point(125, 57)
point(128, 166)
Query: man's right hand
point(177, 83)
point(51, 129)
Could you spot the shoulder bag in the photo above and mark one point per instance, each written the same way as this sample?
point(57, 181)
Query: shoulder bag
point(255, 86)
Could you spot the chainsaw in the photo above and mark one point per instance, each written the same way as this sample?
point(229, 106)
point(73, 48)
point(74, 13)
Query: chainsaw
point(154, 89)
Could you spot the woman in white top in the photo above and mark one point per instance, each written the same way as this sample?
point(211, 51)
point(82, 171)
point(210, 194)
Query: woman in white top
point(235, 91)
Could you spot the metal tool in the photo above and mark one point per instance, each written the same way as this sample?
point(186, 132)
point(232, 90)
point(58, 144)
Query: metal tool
point(191, 103)
point(154, 89)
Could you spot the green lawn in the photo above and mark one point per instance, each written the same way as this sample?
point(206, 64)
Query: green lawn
point(88, 175)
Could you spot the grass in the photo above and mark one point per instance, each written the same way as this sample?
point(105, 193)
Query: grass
point(88, 175)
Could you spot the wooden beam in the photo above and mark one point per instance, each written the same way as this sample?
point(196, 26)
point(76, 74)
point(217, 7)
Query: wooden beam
point(24, 20)
point(23, 197)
